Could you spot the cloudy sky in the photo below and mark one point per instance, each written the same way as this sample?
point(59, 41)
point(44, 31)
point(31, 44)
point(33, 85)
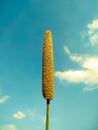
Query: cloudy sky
point(74, 27)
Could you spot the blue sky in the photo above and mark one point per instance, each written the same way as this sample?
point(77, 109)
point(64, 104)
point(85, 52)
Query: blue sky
point(74, 27)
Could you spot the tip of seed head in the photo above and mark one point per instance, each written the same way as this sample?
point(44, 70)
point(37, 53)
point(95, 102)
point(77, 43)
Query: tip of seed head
point(48, 32)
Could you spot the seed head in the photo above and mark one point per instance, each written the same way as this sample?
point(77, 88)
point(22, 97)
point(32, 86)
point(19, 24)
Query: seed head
point(48, 67)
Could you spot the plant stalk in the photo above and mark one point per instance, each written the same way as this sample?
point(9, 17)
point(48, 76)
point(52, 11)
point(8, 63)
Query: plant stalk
point(48, 115)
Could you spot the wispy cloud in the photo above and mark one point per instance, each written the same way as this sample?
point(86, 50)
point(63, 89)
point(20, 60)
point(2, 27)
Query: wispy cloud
point(67, 50)
point(91, 32)
point(8, 127)
point(4, 99)
point(88, 74)
point(19, 115)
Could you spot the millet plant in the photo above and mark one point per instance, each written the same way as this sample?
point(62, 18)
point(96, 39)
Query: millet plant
point(48, 73)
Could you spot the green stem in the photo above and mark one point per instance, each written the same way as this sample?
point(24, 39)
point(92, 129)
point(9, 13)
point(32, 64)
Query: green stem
point(48, 114)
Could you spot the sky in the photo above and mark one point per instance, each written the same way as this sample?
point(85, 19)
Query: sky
point(74, 27)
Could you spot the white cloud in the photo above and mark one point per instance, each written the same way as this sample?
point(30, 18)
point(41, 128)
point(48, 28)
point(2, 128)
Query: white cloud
point(93, 32)
point(91, 63)
point(8, 127)
point(94, 38)
point(85, 61)
point(19, 115)
point(3, 99)
point(88, 74)
point(90, 88)
point(67, 50)
point(88, 77)
point(75, 76)
point(93, 25)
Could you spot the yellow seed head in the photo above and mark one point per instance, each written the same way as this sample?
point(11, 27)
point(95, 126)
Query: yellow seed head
point(48, 67)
